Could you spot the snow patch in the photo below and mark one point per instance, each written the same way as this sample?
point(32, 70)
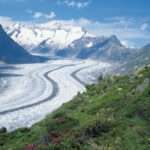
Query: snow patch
point(90, 44)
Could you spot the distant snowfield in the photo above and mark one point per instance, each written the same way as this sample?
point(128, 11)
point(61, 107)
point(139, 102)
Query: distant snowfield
point(55, 34)
point(30, 92)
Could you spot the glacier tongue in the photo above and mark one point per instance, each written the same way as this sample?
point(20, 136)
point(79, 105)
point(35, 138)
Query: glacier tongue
point(31, 35)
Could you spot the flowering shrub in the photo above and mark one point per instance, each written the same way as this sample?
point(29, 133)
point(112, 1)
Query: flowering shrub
point(64, 142)
point(43, 145)
point(79, 139)
point(31, 147)
point(54, 133)
point(56, 140)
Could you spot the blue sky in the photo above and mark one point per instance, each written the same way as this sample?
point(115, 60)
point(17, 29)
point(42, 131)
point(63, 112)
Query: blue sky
point(129, 20)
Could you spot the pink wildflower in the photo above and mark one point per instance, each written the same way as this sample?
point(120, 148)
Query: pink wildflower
point(43, 145)
point(30, 147)
point(56, 140)
point(79, 139)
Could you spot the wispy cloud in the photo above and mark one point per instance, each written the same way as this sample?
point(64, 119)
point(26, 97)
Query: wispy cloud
point(37, 15)
point(29, 11)
point(144, 26)
point(51, 15)
point(127, 43)
point(48, 16)
point(73, 3)
point(6, 21)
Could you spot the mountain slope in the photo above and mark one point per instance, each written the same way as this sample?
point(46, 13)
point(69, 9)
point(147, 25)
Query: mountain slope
point(141, 58)
point(144, 55)
point(11, 52)
point(99, 48)
point(78, 45)
point(111, 115)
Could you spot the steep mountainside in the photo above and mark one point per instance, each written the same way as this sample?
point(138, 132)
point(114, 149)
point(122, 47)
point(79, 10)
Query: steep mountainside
point(144, 55)
point(85, 42)
point(11, 52)
point(99, 48)
point(138, 60)
point(111, 115)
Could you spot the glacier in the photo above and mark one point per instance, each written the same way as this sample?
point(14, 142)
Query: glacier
point(26, 95)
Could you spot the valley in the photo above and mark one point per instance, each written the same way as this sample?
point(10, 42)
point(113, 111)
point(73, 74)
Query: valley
point(29, 92)
point(74, 75)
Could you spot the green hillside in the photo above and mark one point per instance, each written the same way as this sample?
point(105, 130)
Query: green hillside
point(111, 115)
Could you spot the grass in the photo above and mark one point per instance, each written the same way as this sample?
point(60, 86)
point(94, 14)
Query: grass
point(110, 115)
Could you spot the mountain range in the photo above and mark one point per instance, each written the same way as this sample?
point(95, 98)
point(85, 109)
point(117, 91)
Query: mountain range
point(59, 39)
point(55, 34)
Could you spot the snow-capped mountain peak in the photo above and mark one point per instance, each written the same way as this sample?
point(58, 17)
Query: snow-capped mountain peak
point(31, 36)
